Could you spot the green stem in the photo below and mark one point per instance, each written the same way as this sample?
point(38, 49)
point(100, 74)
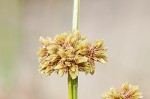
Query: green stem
point(76, 11)
point(75, 88)
point(72, 88)
point(73, 83)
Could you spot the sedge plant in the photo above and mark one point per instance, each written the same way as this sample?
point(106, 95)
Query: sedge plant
point(70, 53)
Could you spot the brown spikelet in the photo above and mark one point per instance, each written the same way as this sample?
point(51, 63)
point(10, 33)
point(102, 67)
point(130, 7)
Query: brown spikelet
point(69, 53)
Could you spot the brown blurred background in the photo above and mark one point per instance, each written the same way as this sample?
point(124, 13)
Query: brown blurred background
point(123, 24)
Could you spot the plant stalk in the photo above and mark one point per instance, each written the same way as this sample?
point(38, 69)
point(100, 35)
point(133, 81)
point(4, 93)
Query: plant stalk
point(73, 83)
point(72, 88)
point(76, 11)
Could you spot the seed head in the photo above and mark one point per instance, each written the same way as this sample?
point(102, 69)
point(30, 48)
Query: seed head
point(127, 91)
point(69, 53)
point(130, 91)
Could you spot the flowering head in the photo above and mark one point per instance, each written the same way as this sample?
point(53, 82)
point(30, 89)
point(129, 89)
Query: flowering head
point(130, 91)
point(70, 53)
point(127, 91)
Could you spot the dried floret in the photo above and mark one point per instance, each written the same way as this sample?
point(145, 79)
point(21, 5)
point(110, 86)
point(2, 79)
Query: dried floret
point(127, 91)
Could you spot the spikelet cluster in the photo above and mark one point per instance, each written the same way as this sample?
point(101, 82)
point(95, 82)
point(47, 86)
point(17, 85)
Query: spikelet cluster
point(69, 53)
point(127, 91)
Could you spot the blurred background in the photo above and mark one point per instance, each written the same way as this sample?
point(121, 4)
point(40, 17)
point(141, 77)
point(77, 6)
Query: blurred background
point(123, 24)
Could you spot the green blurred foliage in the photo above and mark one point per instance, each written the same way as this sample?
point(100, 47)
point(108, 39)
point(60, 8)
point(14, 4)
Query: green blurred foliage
point(10, 36)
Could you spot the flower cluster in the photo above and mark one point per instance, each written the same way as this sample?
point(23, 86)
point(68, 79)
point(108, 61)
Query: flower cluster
point(127, 91)
point(70, 53)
